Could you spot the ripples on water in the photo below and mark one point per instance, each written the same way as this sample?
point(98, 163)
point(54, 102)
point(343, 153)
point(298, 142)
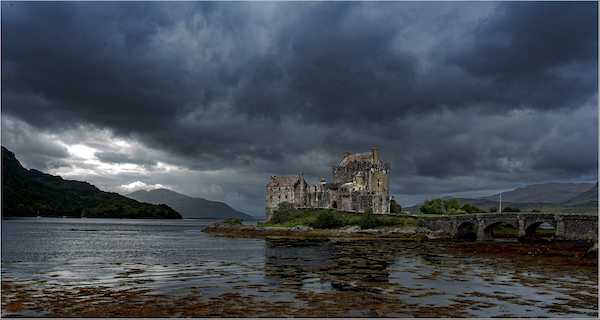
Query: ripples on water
point(173, 257)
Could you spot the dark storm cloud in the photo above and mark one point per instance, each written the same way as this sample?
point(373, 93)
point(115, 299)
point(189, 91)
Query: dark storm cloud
point(536, 55)
point(446, 90)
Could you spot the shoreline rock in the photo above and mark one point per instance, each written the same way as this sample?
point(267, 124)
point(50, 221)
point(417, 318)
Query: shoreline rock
point(409, 233)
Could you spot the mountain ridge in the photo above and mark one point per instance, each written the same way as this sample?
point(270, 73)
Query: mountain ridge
point(550, 192)
point(532, 197)
point(590, 195)
point(189, 207)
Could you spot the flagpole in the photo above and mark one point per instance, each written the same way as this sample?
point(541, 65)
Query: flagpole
point(500, 207)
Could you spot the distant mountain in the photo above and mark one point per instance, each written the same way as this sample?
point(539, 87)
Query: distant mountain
point(29, 192)
point(551, 192)
point(549, 197)
point(190, 208)
point(588, 196)
point(589, 207)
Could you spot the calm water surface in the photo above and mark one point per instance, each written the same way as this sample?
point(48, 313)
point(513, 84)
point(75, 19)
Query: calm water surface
point(172, 256)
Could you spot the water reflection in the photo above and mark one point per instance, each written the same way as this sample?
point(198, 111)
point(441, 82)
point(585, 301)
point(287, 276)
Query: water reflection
point(408, 278)
point(356, 261)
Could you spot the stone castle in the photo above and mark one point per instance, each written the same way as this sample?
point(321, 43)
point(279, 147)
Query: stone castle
point(360, 181)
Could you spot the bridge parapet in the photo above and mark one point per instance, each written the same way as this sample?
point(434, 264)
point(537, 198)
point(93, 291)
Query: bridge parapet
point(568, 226)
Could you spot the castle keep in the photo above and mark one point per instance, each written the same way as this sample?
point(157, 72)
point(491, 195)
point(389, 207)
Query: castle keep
point(360, 181)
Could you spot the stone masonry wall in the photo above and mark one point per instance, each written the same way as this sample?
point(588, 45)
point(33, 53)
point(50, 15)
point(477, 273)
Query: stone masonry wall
point(569, 226)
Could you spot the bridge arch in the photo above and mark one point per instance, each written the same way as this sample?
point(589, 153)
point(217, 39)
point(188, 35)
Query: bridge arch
point(467, 229)
point(488, 231)
point(532, 222)
point(568, 226)
point(487, 223)
point(530, 230)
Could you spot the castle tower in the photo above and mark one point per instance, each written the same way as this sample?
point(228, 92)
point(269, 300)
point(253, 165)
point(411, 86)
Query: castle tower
point(359, 181)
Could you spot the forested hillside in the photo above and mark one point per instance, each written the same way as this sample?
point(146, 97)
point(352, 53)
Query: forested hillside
point(25, 193)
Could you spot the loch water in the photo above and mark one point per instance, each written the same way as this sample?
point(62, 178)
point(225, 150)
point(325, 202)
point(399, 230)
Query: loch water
point(168, 257)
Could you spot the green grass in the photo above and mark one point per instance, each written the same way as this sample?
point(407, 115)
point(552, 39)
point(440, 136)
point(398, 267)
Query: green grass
point(307, 216)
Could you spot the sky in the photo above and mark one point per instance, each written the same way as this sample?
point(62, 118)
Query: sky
point(209, 99)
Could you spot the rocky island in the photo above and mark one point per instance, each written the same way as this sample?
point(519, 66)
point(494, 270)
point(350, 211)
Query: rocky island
point(233, 227)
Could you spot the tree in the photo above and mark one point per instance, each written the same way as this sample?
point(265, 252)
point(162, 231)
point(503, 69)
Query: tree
point(509, 209)
point(432, 206)
point(493, 209)
point(395, 207)
point(451, 204)
point(470, 209)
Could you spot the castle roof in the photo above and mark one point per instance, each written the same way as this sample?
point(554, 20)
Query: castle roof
point(367, 156)
point(283, 181)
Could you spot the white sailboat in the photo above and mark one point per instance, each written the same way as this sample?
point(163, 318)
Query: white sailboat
point(38, 214)
point(83, 214)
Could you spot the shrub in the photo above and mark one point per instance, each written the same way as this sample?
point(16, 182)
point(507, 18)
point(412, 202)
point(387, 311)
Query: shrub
point(509, 209)
point(325, 219)
point(470, 209)
point(493, 209)
point(282, 213)
point(397, 222)
point(368, 220)
point(456, 211)
point(233, 221)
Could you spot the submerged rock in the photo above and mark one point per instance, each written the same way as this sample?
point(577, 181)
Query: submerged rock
point(352, 286)
point(415, 231)
point(222, 225)
point(592, 253)
point(350, 228)
point(301, 228)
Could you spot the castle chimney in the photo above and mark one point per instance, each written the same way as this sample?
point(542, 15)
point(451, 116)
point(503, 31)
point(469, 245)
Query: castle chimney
point(346, 154)
point(375, 154)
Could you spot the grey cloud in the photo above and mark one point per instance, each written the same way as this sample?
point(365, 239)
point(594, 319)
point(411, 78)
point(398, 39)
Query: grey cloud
point(118, 158)
point(282, 88)
point(40, 150)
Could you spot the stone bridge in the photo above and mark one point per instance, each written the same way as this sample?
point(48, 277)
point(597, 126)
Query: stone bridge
point(568, 226)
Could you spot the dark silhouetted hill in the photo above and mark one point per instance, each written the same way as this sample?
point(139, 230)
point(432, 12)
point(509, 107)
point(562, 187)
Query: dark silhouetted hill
point(190, 208)
point(27, 192)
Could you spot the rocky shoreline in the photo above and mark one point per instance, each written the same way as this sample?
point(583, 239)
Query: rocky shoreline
point(588, 252)
point(420, 233)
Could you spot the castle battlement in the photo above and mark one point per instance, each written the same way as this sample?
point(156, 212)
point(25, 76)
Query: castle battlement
point(359, 181)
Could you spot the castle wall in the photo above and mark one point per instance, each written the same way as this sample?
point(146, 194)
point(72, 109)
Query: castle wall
point(276, 195)
point(360, 182)
point(291, 193)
